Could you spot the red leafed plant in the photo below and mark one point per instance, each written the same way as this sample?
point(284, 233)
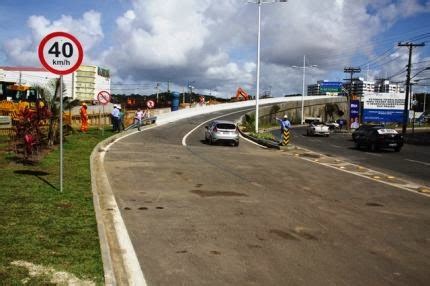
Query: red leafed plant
point(28, 127)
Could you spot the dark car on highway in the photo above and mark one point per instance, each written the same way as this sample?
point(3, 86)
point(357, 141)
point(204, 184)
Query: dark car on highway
point(379, 137)
point(363, 129)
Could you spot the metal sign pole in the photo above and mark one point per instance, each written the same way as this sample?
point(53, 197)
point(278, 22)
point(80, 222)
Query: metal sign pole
point(103, 128)
point(61, 133)
point(60, 63)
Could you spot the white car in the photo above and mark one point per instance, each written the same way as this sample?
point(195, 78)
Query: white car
point(332, 125)
point(317, 128)
point(222, 131)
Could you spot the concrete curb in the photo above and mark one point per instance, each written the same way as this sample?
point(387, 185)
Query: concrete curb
point(120, 263)
point(263, 142)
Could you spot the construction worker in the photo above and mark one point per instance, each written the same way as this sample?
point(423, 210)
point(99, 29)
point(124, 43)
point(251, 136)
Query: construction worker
point(285, 125)
point(84, 117)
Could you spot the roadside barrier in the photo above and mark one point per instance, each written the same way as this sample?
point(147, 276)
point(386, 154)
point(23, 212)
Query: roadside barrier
point(144, 121)
point(286, 137)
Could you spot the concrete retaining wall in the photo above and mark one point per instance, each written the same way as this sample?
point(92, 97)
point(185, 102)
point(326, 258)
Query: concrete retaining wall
point(313, 107)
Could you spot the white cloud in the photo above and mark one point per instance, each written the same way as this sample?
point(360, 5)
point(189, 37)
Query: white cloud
point(22, 51)
point(214, 42)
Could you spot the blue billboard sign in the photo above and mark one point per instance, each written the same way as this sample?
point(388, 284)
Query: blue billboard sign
point(330, 86)
point(382, 115)
point(354, 109)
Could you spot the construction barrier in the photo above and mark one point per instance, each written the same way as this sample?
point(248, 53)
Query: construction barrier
point(286, 137)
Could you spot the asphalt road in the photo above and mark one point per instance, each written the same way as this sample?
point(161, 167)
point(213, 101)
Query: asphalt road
point(222, 215)
point(411, 163)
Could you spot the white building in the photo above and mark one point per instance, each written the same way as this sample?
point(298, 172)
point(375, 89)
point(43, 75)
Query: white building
point(83, 84)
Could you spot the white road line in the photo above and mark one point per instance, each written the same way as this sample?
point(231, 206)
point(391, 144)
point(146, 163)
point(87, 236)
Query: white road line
point(184, 139)
point(336, 167)
point(366, 176)
point(418, 162)
point(252, 142)
point(373, 154)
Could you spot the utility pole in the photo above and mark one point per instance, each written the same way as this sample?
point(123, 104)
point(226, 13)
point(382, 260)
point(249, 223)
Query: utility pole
point(168, 86)
point(408, 82)
point(158, 90)
point(351, 71)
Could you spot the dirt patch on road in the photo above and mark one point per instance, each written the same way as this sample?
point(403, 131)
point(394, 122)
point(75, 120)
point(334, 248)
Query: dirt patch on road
point(205, 194)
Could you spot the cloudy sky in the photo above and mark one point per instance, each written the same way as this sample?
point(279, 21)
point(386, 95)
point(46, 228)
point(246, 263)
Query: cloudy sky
point(212, 43)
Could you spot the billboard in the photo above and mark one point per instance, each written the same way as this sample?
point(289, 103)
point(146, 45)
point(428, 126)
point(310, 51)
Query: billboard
point(383, 107)
point(354, 110)
point(330, 86)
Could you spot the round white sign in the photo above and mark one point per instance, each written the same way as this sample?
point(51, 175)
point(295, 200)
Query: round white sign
point(150, 104)
point(104, 97)
point(60, 53)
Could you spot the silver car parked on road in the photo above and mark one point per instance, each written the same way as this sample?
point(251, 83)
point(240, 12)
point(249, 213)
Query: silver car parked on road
point(222, 131)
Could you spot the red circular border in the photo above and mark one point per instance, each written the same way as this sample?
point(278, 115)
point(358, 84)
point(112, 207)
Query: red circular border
point(70, 37)
point(148, 103)
point(100, 93)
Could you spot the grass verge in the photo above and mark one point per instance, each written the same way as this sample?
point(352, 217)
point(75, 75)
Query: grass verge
point(40, 225)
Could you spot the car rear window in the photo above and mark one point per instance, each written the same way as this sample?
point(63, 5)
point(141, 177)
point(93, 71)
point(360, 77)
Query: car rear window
point(225, 126)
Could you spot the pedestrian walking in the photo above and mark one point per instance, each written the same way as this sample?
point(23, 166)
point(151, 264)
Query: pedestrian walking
point(138, 118)
point(115, 119)
point(84, 118)
point(341, 122)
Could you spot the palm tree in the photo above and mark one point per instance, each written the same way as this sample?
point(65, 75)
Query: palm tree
point(50, 94)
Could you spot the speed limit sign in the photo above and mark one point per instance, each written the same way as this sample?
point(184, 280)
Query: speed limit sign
point(150, 103)
point(60, 53)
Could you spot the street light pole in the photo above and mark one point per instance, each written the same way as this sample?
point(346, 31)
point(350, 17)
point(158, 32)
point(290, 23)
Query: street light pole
point(303, 92)
point(304, 86)
point(257, 92)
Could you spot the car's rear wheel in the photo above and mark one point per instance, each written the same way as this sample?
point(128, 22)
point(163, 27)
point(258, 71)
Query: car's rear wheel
point(357, 145)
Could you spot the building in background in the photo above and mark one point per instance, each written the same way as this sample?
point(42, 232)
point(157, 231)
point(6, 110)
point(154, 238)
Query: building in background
point(384, 85)
point(84, 84)
point(359, 87)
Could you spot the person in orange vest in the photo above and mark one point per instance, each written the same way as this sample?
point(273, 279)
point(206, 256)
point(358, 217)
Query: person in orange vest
point(84, 118)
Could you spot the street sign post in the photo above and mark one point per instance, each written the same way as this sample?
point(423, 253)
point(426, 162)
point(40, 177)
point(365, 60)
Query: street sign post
point(60, 53)
point(104, 98)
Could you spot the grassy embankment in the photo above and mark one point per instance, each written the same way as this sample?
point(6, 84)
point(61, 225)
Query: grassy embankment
point(41, 225)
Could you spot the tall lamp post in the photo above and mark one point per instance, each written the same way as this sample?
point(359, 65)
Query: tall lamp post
point(190, 89)
point(257, 92)
point(303, 92)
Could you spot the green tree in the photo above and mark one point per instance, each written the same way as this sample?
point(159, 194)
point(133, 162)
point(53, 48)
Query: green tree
point(50, 94)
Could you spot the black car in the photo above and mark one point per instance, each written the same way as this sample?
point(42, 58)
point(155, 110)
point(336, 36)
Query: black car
point(379, 137)
point(362, 130)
